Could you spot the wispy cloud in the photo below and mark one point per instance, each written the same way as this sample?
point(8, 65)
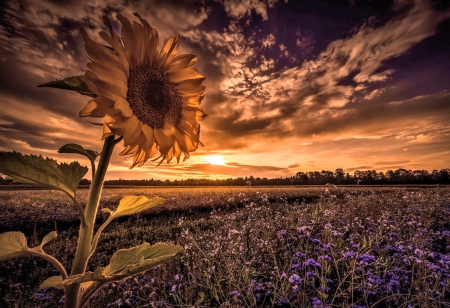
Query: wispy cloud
point(275, 98)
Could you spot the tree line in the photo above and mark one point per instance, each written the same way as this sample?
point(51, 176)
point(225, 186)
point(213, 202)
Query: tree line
point(338, 177)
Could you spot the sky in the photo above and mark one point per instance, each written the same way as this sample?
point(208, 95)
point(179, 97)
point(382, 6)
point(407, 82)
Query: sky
point(291, 86)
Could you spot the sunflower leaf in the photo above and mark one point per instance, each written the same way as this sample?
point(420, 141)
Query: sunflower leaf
point(133, 204)
point(74, 83)
point(13, 245)
point(128, 262)
point(52, 282)
point(78, 149)
point(49, 237)
point(46, 172)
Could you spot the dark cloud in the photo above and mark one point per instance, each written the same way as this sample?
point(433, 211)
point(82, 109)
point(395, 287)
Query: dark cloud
point(347, 83)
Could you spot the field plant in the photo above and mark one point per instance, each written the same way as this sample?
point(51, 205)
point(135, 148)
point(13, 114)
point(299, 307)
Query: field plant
point(150, 99)
point(342, 248)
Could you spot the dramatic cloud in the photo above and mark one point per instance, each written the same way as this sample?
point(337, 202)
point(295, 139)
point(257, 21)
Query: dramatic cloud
point(241, 8)
point(290, 86)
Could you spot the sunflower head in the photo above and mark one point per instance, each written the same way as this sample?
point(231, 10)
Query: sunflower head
point(151, 97)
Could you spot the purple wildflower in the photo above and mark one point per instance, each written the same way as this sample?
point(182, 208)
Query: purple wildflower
point(311, 274)
point(283, 301)
point(235, 293)
point(312, 262)
point(325, 257)
point(298, 254)
point(367, 258)
point(295, 279)
point(316, 303)
point(350, 254)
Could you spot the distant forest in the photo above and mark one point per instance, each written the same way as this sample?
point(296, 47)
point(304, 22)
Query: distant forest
point(338, 177)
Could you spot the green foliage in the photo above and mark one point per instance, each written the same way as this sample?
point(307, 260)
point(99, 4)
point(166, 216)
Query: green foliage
point(14, 245)
point(42, 172)
point(49, 237)
point(52, 282)
point(57, 283)
point(74, 83)
point(123, 264)
point(78, 149)
point(132, 205)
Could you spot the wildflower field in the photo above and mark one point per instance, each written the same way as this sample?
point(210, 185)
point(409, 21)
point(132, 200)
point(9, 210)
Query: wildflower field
point(249, 247)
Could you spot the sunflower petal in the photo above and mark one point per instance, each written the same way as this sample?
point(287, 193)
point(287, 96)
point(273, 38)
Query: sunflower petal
point(164, 139)
point(98, 52)
point(149, 135)
point(191, 133)
point(192, 92)
point(183, 74)
point(130, 150)
point(181, 141)
point(151, 152)
point(138, 158)
point(132, 130)
point(190, 85)
point(169, 50)
point(116, 124)
point(104, 88)
point(130, 42)
point(151, 50)
point(98, 108)
point(142, 42)
point(106, 70)
point(106, 131)
point(181, 62)
point(114, 41)
point(124, 107)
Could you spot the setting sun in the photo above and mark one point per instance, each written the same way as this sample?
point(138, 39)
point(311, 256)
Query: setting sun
point(214, 160)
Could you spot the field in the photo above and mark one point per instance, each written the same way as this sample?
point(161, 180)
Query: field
point(250, 247)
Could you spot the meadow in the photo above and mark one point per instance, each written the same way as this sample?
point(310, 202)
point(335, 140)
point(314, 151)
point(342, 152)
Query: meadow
point(249, 247)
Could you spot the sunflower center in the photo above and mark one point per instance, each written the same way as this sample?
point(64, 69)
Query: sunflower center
point(153, 97)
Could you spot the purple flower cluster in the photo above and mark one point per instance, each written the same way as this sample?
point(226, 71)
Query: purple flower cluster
point(312, 263)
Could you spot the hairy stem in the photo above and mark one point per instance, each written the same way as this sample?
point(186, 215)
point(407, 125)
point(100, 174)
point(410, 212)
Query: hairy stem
point(72, 292)
point(97, 235)
point(93, 169)
point(80, 211)
point(91, 292)
point(52, 260)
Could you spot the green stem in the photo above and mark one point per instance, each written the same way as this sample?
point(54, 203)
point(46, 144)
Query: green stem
point(93, 169)
point(97, 235)
point(72, 292)
point(52, 260)
point(80, 211)
point(91, 292)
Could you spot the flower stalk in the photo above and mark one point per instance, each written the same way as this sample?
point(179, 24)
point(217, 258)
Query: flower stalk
point(72, 291)
point(154, 106)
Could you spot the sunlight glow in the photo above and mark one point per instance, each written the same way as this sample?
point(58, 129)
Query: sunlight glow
point(214, 160)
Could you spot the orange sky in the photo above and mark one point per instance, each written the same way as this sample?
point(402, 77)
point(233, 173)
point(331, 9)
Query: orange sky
point(290, 86)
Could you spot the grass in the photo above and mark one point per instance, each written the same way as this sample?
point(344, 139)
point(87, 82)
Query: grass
point(258, 247)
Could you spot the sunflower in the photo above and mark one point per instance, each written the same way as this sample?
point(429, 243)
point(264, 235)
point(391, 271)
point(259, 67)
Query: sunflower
point(150, 97)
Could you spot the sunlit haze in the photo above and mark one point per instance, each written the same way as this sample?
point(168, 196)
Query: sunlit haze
point(290, 85)
point(214, 160)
